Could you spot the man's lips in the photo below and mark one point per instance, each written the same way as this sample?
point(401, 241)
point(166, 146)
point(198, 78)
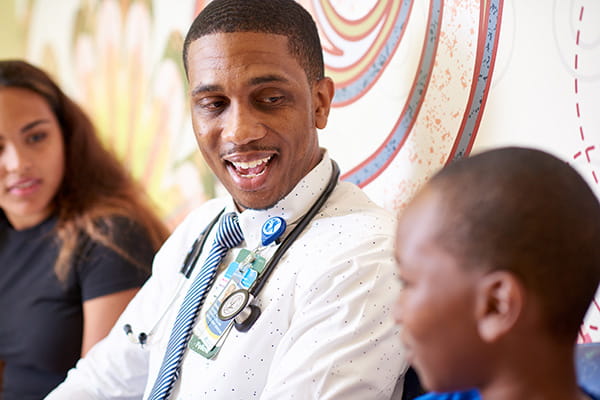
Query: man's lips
point(250, 168)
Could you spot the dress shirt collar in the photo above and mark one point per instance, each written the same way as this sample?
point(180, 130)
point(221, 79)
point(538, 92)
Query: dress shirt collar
point(291, 208)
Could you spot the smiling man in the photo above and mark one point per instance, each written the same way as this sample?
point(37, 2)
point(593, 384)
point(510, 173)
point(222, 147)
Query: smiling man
point(255, 113)
point(299, 307)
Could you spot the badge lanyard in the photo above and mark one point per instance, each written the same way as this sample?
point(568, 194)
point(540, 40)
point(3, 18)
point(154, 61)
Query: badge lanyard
point(232, 294)
point(236, 308)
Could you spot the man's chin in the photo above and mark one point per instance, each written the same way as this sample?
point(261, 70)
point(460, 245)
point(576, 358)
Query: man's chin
point(258, 207)
point(255, 202)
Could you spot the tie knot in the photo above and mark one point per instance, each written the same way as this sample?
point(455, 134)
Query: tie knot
point(229, 233)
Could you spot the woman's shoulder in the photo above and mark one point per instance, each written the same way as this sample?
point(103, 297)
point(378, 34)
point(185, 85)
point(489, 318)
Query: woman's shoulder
point(120, 237)
point(119, 224)
point(102, 268)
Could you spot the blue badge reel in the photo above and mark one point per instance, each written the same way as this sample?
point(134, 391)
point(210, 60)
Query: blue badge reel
point(272, 230)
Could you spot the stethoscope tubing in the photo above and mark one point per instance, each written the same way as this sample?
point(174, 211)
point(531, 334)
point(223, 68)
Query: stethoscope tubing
point(193, 255)
point(291, 238)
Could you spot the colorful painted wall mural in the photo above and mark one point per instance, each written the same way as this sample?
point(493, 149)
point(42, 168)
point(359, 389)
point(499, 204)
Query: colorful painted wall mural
point(419, 83)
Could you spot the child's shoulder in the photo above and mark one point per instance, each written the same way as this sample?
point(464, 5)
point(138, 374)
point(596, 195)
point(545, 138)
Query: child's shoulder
point(468, 395)
point(593, 396)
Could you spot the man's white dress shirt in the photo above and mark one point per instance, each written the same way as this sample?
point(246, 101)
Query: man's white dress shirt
point(325, 331)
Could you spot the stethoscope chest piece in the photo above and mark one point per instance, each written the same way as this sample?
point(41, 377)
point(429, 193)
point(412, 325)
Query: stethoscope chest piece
point(245, 319)
point(233, 304)
point(237, 305)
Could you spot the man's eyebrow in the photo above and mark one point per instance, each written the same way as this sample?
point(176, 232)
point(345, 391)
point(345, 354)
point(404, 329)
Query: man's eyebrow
point(267, 79)
point(33, 124)
point(206, 88)
point(252, 82)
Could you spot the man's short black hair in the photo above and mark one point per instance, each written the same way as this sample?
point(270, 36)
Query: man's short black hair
point(527, 212)
point(280, 17)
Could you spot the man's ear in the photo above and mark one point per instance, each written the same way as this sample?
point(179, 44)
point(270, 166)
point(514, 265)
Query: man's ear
point(323, 96)
point(499, 304)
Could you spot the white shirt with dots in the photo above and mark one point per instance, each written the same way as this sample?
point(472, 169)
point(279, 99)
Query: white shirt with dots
point(325, 331)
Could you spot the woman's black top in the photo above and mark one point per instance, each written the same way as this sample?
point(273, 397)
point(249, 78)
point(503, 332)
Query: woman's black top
point(41, 318)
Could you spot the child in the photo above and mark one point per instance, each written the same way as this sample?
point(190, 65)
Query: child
point(499, 255)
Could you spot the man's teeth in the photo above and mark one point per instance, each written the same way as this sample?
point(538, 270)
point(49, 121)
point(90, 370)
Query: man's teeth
point(250, 164)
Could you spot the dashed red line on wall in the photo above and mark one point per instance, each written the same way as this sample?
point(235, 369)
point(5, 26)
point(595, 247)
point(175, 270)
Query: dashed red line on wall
point(588, 149)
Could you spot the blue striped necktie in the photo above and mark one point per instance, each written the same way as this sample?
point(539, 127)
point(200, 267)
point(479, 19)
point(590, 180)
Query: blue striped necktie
point(229, 234)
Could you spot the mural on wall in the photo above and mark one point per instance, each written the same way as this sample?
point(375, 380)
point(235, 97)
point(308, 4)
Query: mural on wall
point(419, 83)
point(443, 54)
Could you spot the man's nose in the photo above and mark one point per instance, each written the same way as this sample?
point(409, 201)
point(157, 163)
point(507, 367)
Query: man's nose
point(243, 125)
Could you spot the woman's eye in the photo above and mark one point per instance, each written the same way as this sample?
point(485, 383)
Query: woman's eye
point(36, 137)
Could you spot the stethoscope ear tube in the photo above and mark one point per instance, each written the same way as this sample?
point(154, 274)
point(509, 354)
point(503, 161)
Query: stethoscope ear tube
point(186, 270)
point(142, 338)
point(192, 256)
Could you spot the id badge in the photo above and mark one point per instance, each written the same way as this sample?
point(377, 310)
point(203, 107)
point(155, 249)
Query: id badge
point(211, 330)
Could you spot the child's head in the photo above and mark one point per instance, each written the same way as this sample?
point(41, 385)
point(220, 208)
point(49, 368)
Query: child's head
point(498, 246)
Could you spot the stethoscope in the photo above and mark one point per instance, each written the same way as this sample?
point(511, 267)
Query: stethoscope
point(238, 305)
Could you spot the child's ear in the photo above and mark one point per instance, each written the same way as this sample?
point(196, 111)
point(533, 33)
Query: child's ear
point(499, 303)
